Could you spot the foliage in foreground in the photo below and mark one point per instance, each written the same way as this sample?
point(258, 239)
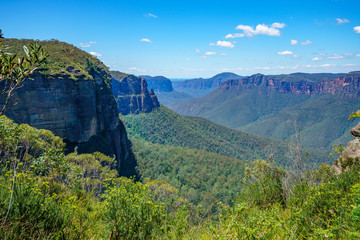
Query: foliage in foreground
point(322, 205)
point(47, 195)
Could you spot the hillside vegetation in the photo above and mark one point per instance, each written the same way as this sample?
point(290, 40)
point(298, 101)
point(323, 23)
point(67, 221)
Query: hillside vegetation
point(202, 178)
point(167, 127)
point(47, 195)
point(262, 110)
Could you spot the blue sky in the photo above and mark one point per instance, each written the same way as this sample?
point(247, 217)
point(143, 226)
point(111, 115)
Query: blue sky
point(185, 39)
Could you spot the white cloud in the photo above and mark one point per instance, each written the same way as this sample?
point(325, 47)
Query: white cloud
point(197, 50)
point(88, 44)
point(342, 21)
point(335, 56)
point(187, 59)
point(235, 35)
point(224, 44)
point(357, 55)
point(145, 40)
point(316, 59)
point(326, 65)
point(135, 69)
point(150, 15)
point(307, 42)
point(212, 44)
point(210, 53)
point(285, 53)
point(294, 42)
point(357, 29)
point(278, 25)
point(261, 29)
point(223, 54)
point(95, 54)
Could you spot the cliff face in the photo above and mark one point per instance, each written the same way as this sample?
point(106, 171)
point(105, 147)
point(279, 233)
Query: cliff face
point(76, 105)
point(351, 155)
point(159, 83)
point(132, 95)
point(346, 86)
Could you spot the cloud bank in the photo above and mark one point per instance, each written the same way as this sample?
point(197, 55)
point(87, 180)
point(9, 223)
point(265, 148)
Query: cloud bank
point(261, 29)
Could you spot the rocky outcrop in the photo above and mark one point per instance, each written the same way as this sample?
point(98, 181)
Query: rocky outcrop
point(158, 83)
point(347, 85)
point(76, 105)
point(132, 95)
point(351, 155)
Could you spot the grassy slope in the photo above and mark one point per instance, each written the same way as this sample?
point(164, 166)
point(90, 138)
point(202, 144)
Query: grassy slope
point(167, 127)
point(61, 56)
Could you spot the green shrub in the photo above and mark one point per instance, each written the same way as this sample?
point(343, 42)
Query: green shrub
point(33, 213)
point(131, 211)
point(265, 185)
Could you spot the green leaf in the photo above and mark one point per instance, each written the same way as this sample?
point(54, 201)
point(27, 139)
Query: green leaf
point(26, 50)
point(354, 114)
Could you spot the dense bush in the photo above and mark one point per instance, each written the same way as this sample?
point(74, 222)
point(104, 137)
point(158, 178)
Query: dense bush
point(47, 195)
point(202, 177)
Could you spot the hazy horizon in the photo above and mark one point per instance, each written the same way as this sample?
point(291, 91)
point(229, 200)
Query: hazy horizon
point(191, 39)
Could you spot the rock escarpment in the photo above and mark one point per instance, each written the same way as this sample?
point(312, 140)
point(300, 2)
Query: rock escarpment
point(132, 95)
point(75, 102)
point(347, 85)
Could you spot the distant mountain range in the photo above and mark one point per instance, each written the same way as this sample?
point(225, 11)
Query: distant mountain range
point(199, 87)
point(170, 92)
point(164, 90)
point(275, 106)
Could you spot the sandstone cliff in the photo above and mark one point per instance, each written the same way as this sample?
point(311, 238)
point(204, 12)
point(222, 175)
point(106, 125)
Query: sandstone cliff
point(347, 85)
point(73, 99)
point(132, 95)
